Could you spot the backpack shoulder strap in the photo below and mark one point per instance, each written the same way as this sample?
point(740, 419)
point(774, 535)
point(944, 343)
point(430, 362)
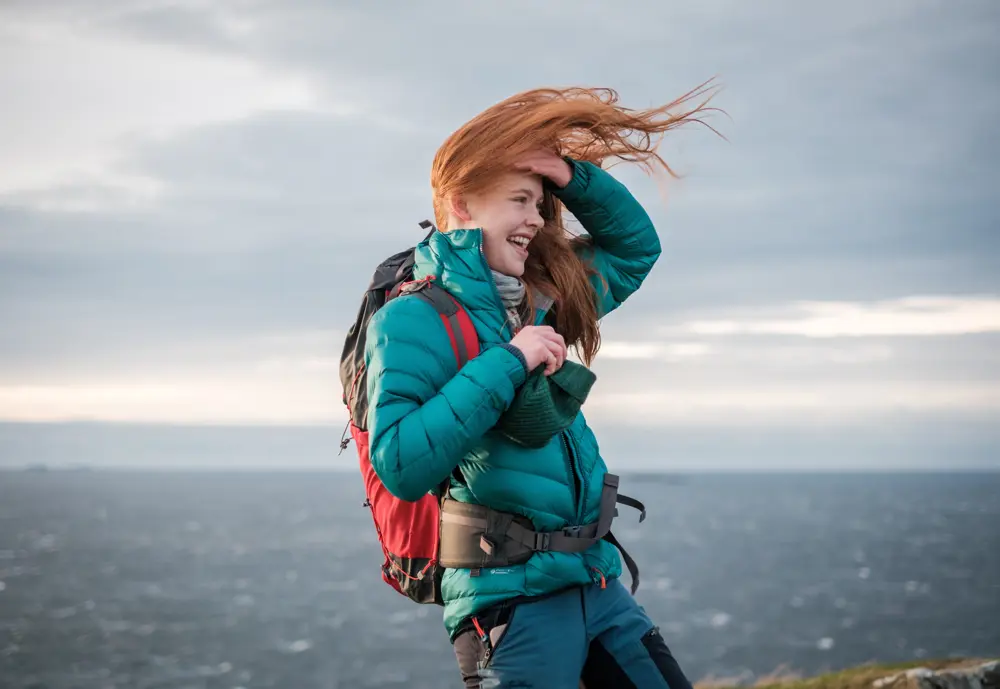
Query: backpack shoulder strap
point(457, 322)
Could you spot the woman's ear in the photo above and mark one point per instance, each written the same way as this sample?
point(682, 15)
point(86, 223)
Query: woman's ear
point(459, 207)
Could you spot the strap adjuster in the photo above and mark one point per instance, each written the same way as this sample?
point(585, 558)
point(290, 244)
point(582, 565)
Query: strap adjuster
point(415, 286)
point(572, 531)
point(542, 541)
point(487, 545)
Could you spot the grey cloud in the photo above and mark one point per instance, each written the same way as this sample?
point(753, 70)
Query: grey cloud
point(761, 362)
point(263, 228)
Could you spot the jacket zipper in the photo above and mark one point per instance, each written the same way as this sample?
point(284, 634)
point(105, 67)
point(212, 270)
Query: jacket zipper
point(579, 484)
point(496, 292)
point(574, 475)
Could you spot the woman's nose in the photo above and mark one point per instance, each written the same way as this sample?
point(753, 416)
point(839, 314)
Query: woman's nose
point(536, 220)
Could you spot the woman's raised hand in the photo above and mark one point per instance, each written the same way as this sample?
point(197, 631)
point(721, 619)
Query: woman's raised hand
point(547, 164)
point(541, 344)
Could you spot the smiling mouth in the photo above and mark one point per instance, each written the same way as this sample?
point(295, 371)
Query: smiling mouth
point(520, 242)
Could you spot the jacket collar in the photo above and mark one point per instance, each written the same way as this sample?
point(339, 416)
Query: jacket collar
point(456, 261)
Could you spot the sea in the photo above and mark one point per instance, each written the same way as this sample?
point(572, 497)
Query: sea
point(117, 579)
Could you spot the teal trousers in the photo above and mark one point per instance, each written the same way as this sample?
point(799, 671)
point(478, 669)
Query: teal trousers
point(596, 635)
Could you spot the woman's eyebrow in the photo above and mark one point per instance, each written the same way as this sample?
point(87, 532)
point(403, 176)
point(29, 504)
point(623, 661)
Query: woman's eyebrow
point(525, 191)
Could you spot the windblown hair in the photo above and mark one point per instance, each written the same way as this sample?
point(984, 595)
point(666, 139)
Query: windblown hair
point(581, 123)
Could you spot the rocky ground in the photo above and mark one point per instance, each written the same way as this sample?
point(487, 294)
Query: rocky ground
point(934, 674)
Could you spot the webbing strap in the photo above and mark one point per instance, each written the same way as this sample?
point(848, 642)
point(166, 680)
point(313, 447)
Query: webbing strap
point(570, 540)
point(609, 495)
point(633, 568)
point(461, 331)
point(634, 504)
point(437, 298)
point(468, 532)
point(573, 539)
point(449, 309)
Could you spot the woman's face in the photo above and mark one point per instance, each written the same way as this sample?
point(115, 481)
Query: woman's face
point(509, 214)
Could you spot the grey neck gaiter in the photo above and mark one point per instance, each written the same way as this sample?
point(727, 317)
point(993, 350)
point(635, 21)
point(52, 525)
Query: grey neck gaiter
point(511, 291)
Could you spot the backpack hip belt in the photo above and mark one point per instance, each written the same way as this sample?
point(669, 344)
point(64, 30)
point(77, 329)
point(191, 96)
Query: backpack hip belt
point(475, 536)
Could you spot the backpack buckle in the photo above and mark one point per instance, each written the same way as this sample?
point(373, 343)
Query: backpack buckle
point(542, 541)
point(415, 285)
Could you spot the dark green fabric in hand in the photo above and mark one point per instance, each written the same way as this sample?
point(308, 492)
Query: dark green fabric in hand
point(546, 405)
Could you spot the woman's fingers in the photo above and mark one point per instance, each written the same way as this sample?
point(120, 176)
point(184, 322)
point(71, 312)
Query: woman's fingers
point(551, 363)
point(550, 334)
point(547, 164)
point(549, 345)
point(560, 353)
point(559, 343)
point(556, 356)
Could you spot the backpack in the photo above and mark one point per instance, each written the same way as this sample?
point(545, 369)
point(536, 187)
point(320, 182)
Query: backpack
point(407, 531)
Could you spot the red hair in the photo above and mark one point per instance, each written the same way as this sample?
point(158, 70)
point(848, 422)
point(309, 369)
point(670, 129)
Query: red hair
point(583, 124)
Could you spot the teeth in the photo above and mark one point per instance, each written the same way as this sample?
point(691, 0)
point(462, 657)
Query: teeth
point(520, 241)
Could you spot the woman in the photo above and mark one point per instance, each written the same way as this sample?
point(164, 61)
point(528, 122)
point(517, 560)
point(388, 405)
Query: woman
point(532, 291)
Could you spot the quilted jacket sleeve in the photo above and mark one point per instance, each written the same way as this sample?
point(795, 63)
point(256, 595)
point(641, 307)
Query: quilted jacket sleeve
point(422, 414)
point(625, 244)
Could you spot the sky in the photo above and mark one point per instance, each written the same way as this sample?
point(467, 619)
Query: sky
point(193, 196)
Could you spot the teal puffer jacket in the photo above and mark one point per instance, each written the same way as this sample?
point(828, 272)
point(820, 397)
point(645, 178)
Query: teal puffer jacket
point(425, 417)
